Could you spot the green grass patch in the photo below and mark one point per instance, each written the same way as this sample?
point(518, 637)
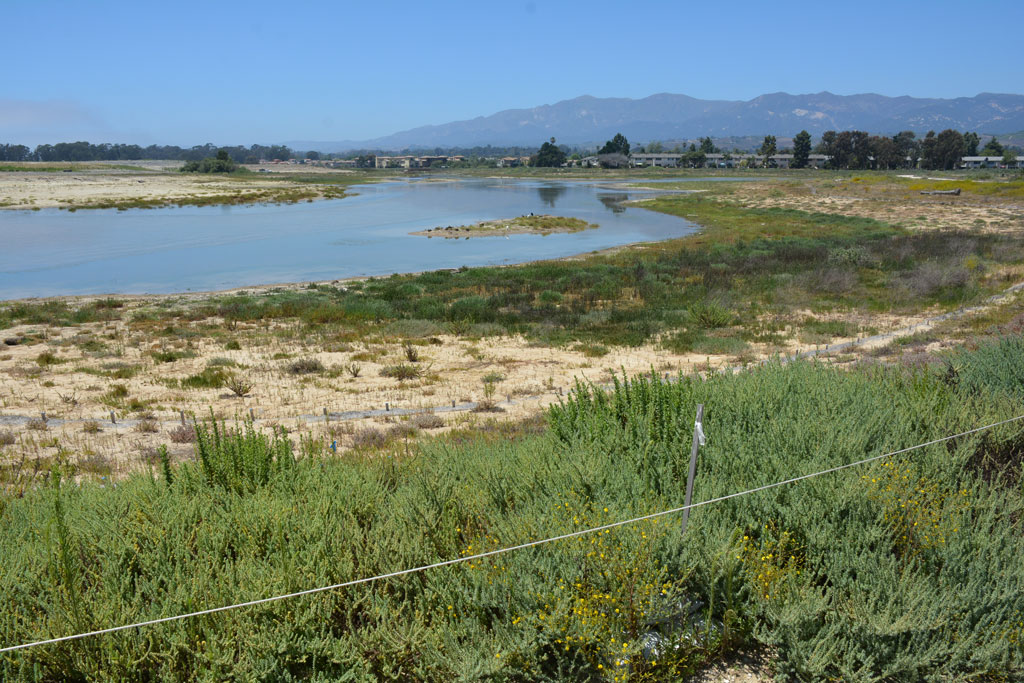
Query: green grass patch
point(903, 569)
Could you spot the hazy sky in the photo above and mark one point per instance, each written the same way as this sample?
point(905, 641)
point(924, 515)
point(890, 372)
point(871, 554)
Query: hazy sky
point(242, 72)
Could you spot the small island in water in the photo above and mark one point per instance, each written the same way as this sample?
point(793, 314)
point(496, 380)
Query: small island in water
point(523, 225)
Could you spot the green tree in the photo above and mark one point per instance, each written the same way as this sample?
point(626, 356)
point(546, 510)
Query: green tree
point(949, 148)
point(548, 156)
point(885, 152)
point(767, 150)
point(707, 146)
point(908, 148)
point(221, 163)
point(971, 142)
point(860, 143)
point(993, 148)
point(801, 149)
point(1009, 158)
point(617, 145)
point(928, 150)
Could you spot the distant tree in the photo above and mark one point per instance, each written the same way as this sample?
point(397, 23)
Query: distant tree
point(278, 152)
point(14, 153)
point(801, 149)
point(694, 158)
point(768, 149)
point(928, 158)
point(949, 148)
point(548, 156)
point(971, 142)
point(908, 148)
point(992, 148)
point(885, 153)
point(1009, 157)
point(860, 146)
point(315, 156)
point(655, 148)
point(221, 163)
point(613, 160)
point(707, 146)
point(841, 149)
point(828, 138)
point(617, 145)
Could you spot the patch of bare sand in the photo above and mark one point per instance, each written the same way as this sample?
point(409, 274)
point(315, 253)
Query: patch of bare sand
point(745, 667)
point(914, 211)
point(150, 181)
point(66, 190)
point(94, 362)
point(99, 367)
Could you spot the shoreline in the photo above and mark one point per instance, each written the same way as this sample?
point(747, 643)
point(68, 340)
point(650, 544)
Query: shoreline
point(266, 288)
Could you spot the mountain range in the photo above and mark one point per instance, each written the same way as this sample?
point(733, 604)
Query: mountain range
point(588, 120)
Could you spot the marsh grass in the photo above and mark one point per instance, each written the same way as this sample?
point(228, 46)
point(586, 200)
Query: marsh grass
point(745, 263)
point(858, 574)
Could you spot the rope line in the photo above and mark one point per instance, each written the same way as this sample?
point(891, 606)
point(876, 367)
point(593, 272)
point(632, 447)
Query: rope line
point(500, 551)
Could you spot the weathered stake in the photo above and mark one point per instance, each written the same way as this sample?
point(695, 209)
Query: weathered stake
point(698, 439)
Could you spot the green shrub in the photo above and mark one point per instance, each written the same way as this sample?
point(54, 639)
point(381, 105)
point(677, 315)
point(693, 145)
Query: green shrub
point(907, 568)
point(401, 372)
point(241, 459)
point(305, 366)
point(209, 378)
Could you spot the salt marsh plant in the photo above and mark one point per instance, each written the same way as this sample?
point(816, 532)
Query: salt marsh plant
point(818, 571)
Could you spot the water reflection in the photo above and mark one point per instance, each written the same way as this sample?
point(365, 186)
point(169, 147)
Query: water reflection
point(614, 202)
point(49, 252)
point(549, 194)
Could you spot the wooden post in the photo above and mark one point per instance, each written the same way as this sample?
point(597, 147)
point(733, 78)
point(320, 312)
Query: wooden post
point(252, 416)
point(698, 438)
point(182, 414)
point(112, 420)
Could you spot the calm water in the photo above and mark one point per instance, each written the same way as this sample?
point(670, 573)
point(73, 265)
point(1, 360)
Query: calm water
point(52, 252)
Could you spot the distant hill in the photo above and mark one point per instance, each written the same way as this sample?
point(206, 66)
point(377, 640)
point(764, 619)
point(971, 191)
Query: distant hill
point(586, 119)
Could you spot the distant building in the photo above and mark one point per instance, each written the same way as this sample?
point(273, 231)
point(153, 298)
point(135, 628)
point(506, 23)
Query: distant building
point(990, 162)
point(509, 162)
point(664, 160)
point(394, 162)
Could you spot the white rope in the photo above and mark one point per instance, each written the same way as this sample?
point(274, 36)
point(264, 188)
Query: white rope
point(492, 553)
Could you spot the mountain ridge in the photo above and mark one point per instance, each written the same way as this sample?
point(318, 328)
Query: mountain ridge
point(587, 119)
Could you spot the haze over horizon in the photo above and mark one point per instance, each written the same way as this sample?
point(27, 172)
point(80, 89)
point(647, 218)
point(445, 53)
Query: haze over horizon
point(238, 73)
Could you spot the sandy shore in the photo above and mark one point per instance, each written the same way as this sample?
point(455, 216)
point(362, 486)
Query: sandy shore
point(155, 183)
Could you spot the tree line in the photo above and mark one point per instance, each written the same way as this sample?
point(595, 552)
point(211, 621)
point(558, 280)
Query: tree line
point(85, 151)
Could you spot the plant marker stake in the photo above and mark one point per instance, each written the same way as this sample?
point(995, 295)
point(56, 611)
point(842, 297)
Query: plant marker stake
point(182, 414)
point(112, 420)
point(698, 440)
point(251, 415)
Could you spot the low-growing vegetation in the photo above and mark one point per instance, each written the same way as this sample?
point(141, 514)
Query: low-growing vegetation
point(906, 568)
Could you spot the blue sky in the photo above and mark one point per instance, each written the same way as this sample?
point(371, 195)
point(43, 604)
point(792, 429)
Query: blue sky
point(242, 72)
